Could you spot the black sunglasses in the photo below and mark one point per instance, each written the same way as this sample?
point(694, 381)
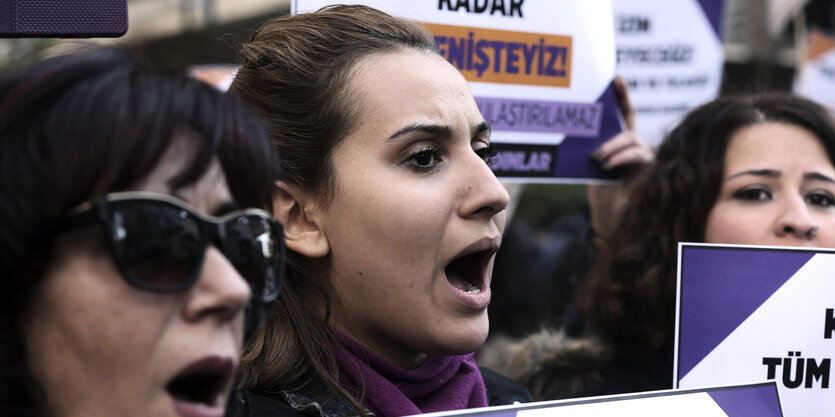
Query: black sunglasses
point(158, 242)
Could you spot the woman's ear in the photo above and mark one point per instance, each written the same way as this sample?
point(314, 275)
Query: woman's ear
point(295, 210)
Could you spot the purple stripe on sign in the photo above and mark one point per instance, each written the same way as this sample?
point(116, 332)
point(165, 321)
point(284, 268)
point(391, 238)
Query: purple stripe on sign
point(760, 401)
point(720, 288)
point(713, 12)
point(574, 157)
point(524, 160)
point(500, 414)
point(517, 115)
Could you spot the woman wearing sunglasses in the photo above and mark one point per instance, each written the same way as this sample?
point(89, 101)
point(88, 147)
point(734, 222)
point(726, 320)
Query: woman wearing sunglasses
point(130, 239)
point(392, 219)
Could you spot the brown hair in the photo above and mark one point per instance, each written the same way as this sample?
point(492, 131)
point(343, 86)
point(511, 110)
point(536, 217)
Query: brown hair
point(630, 292)
point(296, 73)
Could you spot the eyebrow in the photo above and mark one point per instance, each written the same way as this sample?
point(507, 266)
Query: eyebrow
point(440, 130)
point(418, 127)
point(483, 127)
point(818, 176)
point(776, 174)
point(758, 172)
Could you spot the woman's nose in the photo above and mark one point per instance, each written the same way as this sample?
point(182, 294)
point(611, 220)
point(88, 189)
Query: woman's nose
point(796, 221)
point(219, 292)
point(484, 194)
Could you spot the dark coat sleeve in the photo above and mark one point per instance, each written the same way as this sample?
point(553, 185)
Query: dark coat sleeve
point(247, 404)
point(502, 390)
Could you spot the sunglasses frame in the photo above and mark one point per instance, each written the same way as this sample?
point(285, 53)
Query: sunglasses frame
point(212, 231)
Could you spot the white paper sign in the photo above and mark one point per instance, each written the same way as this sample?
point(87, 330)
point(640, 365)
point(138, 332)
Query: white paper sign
point(671, 55)
point(816, 76)
point(760, 400)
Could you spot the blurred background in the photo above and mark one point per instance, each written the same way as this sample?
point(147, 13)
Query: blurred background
point(760, 36)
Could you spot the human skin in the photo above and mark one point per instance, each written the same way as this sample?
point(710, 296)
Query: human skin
point(778, 188)
point(412, 194)
point(100, 347)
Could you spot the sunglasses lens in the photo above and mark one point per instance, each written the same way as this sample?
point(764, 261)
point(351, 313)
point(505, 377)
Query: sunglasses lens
point(159, 245)
point(252, 245)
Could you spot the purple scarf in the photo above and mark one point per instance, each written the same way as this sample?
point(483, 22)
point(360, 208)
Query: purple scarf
point(441, 383)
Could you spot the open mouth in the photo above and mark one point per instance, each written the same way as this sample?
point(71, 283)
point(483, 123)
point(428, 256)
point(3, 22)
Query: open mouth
point(203, 382)
point(468, 273)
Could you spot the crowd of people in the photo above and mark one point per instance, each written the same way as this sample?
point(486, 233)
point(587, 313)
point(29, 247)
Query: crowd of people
point(320, 239)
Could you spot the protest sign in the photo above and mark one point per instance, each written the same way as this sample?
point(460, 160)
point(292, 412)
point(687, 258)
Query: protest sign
point(816, 74)
point(670, 54)
point(760, 399)
point(541, 73)
point(752, 313)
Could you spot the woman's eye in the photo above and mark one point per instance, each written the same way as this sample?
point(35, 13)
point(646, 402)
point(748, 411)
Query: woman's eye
point(820, 199)
point(486, 153)
point(425, 159)
point(753, 194)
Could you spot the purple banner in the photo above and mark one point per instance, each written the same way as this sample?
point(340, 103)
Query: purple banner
point(518, 115)
point(521, 160)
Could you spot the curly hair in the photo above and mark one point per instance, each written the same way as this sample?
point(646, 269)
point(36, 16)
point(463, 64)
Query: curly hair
point(630, 292)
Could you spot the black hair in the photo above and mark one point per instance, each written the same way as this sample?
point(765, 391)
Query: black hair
point(76, 127)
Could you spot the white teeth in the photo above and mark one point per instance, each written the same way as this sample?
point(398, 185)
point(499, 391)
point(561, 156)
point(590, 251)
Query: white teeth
point(471, 289)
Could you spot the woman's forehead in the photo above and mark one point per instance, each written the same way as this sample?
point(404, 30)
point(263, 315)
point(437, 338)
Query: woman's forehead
point(411, 86)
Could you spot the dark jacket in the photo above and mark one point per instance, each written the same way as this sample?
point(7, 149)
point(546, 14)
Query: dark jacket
point(554, 365)
point(312, 399)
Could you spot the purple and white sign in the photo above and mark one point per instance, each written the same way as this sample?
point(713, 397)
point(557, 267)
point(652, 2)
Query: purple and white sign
point(755, 313)
point(541, 73)
point(760, 400)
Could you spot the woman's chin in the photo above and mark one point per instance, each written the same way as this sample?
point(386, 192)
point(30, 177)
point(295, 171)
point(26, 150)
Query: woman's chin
point(465, 338)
